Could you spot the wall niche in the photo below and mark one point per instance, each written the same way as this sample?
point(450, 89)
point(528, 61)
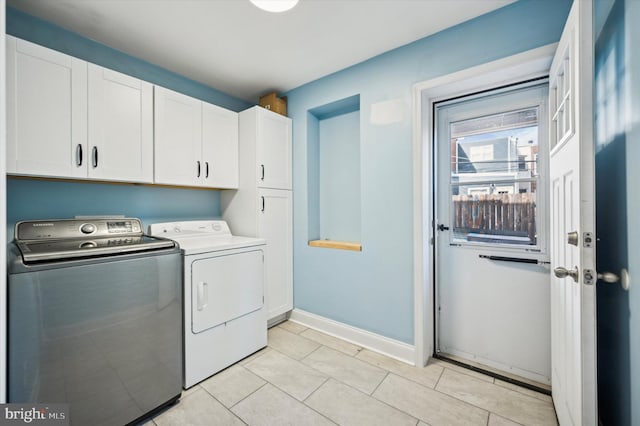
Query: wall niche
point(334, 174)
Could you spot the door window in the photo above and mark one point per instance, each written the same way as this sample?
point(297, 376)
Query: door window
point(494, 178)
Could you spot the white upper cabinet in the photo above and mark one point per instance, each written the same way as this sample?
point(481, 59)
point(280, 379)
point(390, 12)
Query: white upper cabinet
point(178, 138)
point(120, 127)
point(273, 149)
point(196, 144)
point(46, 111)
point(67, 118)
point(220, 146)
point(71, 119)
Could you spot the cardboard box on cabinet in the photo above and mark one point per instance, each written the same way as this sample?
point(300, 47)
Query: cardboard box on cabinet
point(272, 102)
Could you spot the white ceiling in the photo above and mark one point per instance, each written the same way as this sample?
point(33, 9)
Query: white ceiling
point(236, 48)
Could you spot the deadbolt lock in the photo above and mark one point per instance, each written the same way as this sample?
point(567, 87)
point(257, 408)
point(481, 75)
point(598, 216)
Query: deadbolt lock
point(573, 238)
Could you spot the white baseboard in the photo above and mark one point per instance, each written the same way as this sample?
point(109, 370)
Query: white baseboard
point(384, 345)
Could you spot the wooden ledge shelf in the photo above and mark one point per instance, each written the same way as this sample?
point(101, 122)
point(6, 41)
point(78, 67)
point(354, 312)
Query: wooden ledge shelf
point(340, 245)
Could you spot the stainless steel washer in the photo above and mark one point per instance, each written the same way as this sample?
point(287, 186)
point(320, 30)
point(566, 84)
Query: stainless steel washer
point(95, 318)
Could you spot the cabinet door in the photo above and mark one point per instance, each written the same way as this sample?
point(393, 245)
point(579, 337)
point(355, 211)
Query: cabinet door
point(178, 138)
point(273, 150)
point(120, 126)
point(219, 147)
point(275, 226)
point(46, 111)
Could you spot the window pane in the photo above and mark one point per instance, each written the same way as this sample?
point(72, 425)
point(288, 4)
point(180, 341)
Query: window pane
point(502, 213)
point(494, 177)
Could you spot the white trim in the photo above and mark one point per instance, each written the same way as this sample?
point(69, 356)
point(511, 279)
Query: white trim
point(523, 66)
point(3, 213)
point(375, 342)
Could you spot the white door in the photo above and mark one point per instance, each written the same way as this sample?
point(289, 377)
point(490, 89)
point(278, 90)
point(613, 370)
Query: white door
point(273, 150)
point(178, 138)
point(275, 226)
point(46, 111)
point(573, 328)
point(120, 127)
point(491, 246)
point(220, 147)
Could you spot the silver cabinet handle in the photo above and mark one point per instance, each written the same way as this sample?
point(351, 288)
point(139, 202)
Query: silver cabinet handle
point(262, 210)
point(94, 154)
point(198, 162)
point(206, 168)
point(262, 175)
point(79, 155)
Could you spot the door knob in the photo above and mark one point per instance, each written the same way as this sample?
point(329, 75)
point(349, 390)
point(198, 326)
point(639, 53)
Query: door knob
point(611, 278)
point(562, 272)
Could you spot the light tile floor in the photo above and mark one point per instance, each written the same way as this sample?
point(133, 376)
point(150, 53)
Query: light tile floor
point(305, 377)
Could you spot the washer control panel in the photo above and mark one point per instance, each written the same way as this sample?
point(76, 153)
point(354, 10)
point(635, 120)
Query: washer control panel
point(77, 228)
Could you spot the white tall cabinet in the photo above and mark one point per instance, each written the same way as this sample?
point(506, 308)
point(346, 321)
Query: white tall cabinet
point(196, 143)
point(262, 205)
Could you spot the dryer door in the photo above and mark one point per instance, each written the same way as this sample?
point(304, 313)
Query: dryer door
point(225, 287)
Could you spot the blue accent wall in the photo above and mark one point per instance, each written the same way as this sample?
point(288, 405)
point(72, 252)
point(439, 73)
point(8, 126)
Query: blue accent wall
point(617, 129)
point(46, 199)
point(373, 290)
point(340, 177)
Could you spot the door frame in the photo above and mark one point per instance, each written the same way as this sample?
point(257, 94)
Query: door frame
point(528, 65)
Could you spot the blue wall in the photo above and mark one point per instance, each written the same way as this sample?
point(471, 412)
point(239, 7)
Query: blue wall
point(617, 100)
point(340, 177)
point(373, 290)
point(39, 199)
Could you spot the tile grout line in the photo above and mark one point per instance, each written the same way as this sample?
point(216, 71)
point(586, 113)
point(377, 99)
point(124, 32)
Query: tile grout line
point(372, 396)
point(482, 408)
point(378, 385)
point(251, 393)
point(525, 394)
point(303, 402)
point(316, 389)
point(401, 375)
point(229, 408)
point(392, 406)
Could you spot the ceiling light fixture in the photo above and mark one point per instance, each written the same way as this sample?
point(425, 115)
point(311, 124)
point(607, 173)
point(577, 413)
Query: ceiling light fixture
point(274, 5)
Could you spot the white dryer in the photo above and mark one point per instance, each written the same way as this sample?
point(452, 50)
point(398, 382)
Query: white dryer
point(225, 317)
